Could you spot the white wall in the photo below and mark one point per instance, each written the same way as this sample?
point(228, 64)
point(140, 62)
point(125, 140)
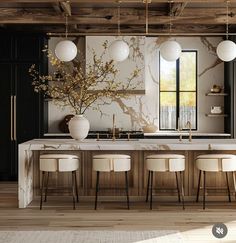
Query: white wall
point(141, 110)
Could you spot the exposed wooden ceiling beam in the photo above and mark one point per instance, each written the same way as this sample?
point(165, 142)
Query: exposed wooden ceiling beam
point(123, 1)
point(56, 6)
point(127, 29)
point(108, 16)
point(62, 8)
point(178, 8)
point(66, 7)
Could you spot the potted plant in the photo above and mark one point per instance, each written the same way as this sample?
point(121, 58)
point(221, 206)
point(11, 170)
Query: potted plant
point(82, 86)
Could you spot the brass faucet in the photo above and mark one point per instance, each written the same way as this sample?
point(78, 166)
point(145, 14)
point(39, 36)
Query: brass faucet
point(189, 125)
point(179, 130)
point(98, 136)
point(128, 136)
point(113, 128)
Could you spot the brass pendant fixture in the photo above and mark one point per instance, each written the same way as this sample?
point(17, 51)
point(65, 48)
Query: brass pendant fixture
point(170, 50)
point(119, 49)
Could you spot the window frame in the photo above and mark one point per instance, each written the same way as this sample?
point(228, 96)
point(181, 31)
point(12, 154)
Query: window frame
point(177, 92)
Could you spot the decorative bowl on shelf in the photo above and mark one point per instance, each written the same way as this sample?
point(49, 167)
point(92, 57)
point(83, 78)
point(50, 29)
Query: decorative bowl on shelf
point(216, 89)
point(216, 110)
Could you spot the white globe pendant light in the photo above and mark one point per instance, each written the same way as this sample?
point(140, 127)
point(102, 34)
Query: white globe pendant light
point(226, 50)
point(119, 49)
point(66, 50)
point(170, 50)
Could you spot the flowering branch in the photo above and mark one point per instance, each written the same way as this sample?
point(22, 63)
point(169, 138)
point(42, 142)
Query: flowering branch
point(80, 89)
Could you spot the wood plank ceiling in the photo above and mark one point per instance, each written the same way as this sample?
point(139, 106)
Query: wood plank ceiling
point(100, 16)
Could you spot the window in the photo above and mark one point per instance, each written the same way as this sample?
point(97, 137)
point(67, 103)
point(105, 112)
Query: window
point(178, 91)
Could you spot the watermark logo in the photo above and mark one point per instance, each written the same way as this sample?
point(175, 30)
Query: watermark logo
point(219, 230)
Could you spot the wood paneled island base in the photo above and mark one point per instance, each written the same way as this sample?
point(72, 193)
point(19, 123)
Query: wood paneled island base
point(165, 184)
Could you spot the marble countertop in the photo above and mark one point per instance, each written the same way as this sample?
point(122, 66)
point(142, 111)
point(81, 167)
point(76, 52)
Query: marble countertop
point(133, 144)
point(159, 133)
point(186, 133)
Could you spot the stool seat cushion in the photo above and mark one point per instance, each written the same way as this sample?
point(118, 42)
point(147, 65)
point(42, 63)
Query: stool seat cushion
point(58, 162)
point(111, 156)
point(216, 162)
point(58, 156)
point(111, 162)
point(165, 162)
point(165, 156)
point(216, 156)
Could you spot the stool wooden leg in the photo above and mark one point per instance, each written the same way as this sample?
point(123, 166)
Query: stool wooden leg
point(199, 184)
point(176, 176)
point(234, 181)
point(76, 188)
point(73, 188)
point(204, 189)
point(182, 188)
point(151, 190)
point(97, 188)
point(149, 172)
point(42, 188)
point(46, 189)
point(127, 188)
point(227, 179)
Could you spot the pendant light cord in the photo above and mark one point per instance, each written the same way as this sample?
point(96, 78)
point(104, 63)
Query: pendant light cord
point(170, 18)
point(118, 18)
point(66, 26)
point(227, 20)
point(146, 17)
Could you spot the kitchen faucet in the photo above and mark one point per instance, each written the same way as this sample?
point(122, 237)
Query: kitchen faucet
point(189, 125)
point(113, 128)
point(179, 130)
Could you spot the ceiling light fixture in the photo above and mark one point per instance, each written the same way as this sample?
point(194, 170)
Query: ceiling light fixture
point(119, 49)
point(66, 50)
point(146, 4)
point(226, 50)
point(170, 50)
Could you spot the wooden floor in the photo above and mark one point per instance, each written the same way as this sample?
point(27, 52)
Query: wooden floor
point(194, 223)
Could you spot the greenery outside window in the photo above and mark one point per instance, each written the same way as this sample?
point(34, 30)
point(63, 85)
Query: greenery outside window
point(178, 92)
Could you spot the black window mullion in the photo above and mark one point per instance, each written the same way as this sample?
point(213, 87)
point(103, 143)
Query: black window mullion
point(177, 91)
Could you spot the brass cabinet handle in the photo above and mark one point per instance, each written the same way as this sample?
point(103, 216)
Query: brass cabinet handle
point(11, 118)
point(14, 117)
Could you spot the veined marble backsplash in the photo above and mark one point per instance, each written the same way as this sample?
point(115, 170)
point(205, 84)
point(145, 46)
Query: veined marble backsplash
point(142, 110)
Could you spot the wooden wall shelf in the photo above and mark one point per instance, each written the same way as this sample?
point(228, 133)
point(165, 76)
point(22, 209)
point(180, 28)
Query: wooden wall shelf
point(216, 94)
point(216, 115)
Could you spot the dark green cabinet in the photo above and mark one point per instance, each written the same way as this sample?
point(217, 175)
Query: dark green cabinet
point(21, 108)
point(230, 100)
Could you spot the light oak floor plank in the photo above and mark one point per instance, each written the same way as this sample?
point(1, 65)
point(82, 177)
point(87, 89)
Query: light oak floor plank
point(194, 223)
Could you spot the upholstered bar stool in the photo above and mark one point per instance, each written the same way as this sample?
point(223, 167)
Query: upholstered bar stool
point(108, 163)
point(215, 163)
point(58, 163)
point(165, 163)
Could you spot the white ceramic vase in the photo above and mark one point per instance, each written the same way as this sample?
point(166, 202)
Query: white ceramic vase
point(79, 127)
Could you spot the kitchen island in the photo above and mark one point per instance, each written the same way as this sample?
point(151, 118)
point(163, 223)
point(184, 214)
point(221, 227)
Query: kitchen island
point(138, 149)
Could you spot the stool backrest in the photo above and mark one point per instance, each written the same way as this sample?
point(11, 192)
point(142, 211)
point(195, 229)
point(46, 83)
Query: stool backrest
point(165, 164)
point(111, 164)
point(68, 164)
point(58, 164)
point(216, 164)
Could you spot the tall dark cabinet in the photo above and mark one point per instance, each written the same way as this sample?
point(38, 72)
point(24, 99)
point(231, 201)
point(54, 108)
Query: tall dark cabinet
point(230, 100)
point(21, 108)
